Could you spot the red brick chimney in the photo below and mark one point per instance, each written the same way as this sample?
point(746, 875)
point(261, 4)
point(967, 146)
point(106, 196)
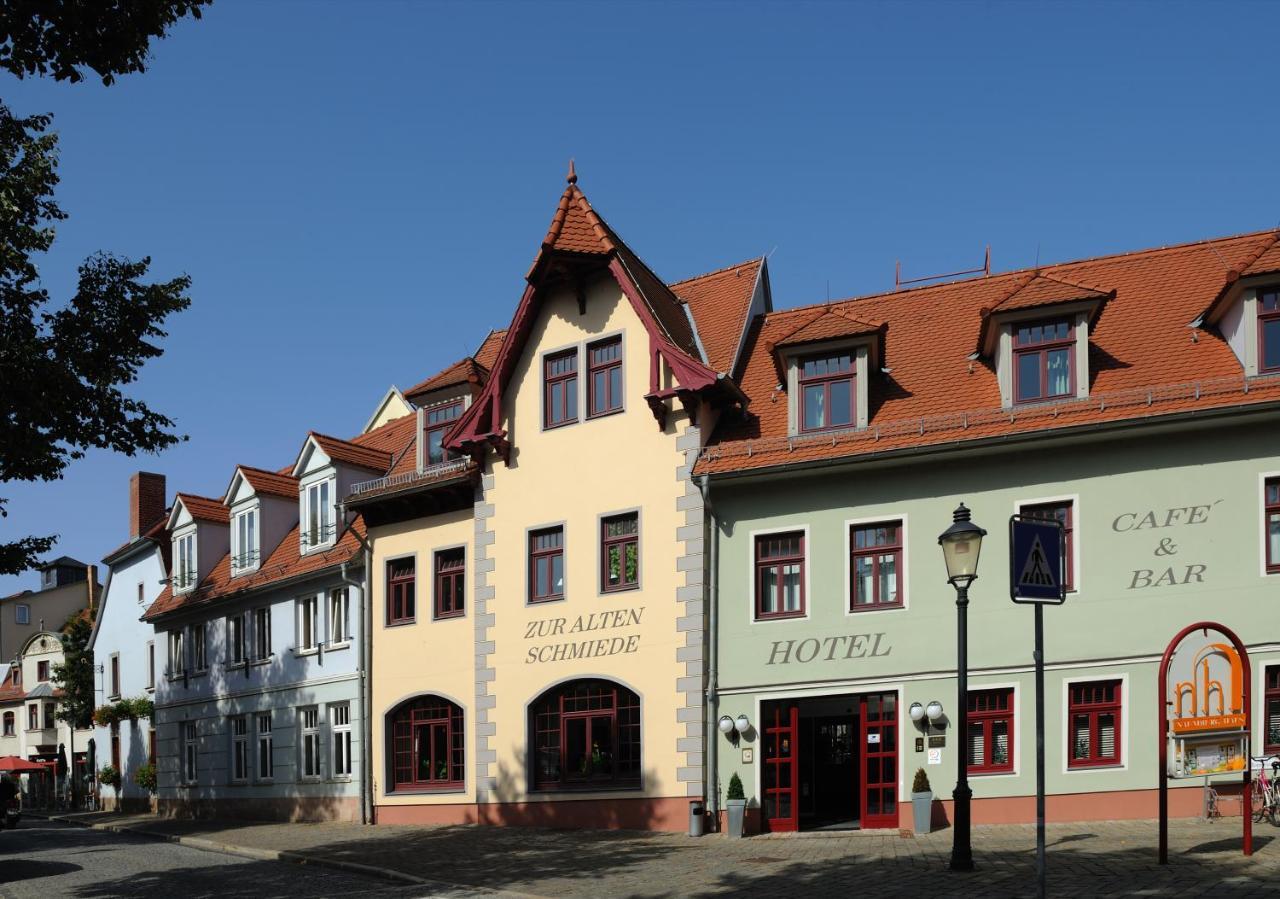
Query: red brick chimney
point(146, 501)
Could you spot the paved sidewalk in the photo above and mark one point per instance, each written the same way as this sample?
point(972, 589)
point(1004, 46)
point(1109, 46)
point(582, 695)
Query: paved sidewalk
point(1091, 859)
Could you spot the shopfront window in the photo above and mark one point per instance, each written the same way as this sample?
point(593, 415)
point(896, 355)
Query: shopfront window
point(428, 745)
point(586, 735)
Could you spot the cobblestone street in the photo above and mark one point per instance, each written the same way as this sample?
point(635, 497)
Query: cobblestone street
point(1096, 859)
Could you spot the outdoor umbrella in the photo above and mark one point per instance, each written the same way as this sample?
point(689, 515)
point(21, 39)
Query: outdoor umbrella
point(16, 765)
point(62, 760)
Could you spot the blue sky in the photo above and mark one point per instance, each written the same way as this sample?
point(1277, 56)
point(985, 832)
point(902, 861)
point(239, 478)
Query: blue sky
point(358, 188)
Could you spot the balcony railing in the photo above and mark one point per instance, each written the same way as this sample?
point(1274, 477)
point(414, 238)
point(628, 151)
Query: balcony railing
point(409, 478)
point(184, 579)
point(244, 560)
point(319, 535)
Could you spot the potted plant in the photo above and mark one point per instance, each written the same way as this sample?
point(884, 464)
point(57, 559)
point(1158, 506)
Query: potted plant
point(145, 777)
point(921, 801)
point(109, 776)
point(735, 805)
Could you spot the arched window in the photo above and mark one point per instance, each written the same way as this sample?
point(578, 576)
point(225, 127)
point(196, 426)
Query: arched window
point(427, 745)
point(8, 724)
point(586, 735)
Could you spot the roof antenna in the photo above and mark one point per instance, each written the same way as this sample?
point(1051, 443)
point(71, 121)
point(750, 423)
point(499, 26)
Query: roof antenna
point(899, 281)
point(828, 291)
point(1037, 254)
point(572, 177)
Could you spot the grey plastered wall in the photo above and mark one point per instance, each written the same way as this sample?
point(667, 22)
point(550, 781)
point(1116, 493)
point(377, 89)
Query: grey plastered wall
point(690, 543)
point(486, 755)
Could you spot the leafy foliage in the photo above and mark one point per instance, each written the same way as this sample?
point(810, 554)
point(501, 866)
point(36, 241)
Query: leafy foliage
point(735, 788)
point(921, 782)
point(109, 776)
point(74, 676)
point(44, 37)
point(124, 710)
point(145, 776)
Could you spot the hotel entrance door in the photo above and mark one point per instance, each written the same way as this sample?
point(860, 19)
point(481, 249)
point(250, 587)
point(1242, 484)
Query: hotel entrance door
point(811, 766)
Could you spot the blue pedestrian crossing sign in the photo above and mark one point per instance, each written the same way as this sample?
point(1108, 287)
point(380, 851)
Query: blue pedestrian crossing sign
point(1036, 561)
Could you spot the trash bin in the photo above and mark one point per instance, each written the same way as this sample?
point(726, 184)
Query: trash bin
point(697, 818)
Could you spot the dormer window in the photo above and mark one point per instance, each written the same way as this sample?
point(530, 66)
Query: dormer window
point(1269, 329)
point(244, 537)
point(184, 562)
point(827, 395)
point(438, 421)
point(1043, 366)
point(318, 528)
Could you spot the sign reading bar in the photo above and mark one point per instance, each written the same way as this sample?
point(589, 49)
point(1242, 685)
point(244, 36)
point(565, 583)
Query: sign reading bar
point(1036, 561)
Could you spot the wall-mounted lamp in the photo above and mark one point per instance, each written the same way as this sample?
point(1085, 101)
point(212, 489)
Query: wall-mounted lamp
point(916, 712)
point(742, 724)
point(934, 710)
point(726, 725)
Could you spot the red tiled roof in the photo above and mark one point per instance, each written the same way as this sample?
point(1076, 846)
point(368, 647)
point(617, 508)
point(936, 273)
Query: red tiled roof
point(827, 325)
point(488, 352)
point(286, 561)
point(1143, 361)
point(157, 533)
point(204, 508)
point(270, 482)
point(9, 692)
point(464, 371)
point(720, 301)
point(1044, 290)
point(362, 455)
point(1268, 263)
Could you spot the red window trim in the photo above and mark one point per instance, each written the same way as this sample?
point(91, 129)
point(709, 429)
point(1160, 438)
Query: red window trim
point(874, 552)
point(429, 428)
point(403, 724)
point(552, 382)
point(1273, 565)
point(115, 747)
point(1042, 349)
point(396, 585)
point(115, 674)
point(825, 381)
point(1266, 317)
point(1271, 693)
point(613, 404)
point(606, 542)
point(457, 572)
point(761, 565)
point(985, 719)
point(1114, 707)
point(551, 705)
point(535, 555)
point(1069, 528)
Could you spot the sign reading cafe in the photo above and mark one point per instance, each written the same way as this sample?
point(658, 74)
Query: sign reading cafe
point(1166, 527)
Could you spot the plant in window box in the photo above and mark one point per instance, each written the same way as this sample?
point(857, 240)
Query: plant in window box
point(921, 801)
point(735, 806)
point(109, 776)
point(105, 715)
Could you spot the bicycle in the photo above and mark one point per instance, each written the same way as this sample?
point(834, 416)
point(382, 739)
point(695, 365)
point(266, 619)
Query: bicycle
point(1265, 793)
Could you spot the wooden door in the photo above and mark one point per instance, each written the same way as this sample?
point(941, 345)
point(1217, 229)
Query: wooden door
point(781, 768)
point(879, 748)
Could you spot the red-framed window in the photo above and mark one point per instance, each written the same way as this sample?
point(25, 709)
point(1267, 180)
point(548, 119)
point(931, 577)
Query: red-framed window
point(1043, 360)
point(875, 566)
point(451, 569)
point(546, 564)
point(428, 745)
point(1063, 511)
point(115, 747)
point(560, 399)
point(1271, 713)
point(586, 735)
point(401, 590)
point(991, 728)
point(1093, 724)
point(620, 552)
point(604, 377)
point(779, 575)
point(827, 395)
point(42, 672)
point(438, 421)
point(1269, 329)
point(1271, 522)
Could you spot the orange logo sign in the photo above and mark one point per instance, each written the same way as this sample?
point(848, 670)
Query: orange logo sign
point(1202, 703)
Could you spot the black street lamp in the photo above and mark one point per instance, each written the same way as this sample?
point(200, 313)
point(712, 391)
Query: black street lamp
point(961, 543)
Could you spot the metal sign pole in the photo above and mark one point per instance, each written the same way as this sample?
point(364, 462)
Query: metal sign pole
point(1040, 872)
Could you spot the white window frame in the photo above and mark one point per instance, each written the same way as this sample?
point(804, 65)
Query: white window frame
point(262, 641)
point(189, 759)
point(341, 743)
point(310, 750)
point(263, 739)
point(184, 561)
point(1065, 721)
point(22, 613)
point(113, 676)
point(245, 555)
point(1261, 519)
point(325, 532)
point(339, 618)
point(306, 624)
point(177, 654)
point(239, 728)
point(151, 665)
point(847, 592)
point(237, 640)
point(199, 648)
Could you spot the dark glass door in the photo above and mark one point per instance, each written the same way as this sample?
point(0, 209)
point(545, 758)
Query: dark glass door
point(879, 742)
point(781, 771)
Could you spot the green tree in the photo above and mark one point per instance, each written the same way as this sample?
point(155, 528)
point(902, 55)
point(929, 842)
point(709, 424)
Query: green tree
point(65, 369)
point(74, 676)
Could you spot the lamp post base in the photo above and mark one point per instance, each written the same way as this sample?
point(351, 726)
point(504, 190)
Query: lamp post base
point(961, 848)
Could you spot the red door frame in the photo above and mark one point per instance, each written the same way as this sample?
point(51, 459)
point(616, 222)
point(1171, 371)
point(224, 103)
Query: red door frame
point(884, 725)
point(1162, 731)
point(781, 729)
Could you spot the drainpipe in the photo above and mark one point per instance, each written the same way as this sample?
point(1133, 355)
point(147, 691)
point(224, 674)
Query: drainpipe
point(712, 787)
point(364, 662)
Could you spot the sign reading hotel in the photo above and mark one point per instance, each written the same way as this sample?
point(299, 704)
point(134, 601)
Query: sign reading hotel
point(1208, 720)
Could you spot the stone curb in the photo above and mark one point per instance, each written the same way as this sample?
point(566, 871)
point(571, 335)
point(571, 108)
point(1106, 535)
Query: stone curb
point(281, 855)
